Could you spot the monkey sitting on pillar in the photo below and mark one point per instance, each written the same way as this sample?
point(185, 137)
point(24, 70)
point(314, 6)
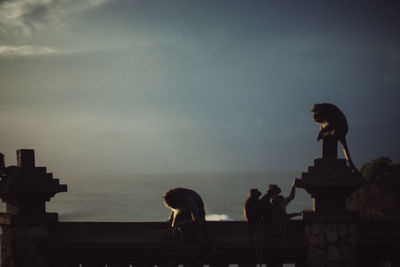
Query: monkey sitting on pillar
point(333, 123)
point(187, 213)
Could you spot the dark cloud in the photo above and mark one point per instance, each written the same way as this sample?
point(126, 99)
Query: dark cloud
point(19, 18)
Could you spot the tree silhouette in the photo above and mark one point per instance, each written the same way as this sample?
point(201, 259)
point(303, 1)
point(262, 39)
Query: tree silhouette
point(381, 195)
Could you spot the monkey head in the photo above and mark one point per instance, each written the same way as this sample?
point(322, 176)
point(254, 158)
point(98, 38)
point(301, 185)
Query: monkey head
point(331, 119)
point(273, 189)
point(171, 199)
point(318, 113)
point(255, 193)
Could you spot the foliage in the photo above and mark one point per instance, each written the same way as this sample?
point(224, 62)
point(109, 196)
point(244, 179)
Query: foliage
point(381, 194)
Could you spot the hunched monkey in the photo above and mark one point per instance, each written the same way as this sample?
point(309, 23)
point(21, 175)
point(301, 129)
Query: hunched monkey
point(333, 123)
point(186, 207)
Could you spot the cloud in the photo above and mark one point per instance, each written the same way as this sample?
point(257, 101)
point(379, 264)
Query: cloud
point(24, 17)
point(28, 51)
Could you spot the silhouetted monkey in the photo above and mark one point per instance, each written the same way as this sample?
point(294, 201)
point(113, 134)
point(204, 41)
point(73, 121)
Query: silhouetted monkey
point(252, 207)
point(265, 202)
point(333, 123)
point(281, 224)
point(252, 211)
point(275, 218)
point(187, 212)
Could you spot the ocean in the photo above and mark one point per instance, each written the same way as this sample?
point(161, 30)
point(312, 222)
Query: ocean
point(137, 198)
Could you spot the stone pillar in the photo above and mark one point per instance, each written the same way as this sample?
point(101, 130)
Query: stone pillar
point(330, 229)
point(25, 189)
point(331, 242)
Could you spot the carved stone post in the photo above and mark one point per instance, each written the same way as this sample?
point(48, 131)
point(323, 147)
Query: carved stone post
point(330, 229)
point(25, 189)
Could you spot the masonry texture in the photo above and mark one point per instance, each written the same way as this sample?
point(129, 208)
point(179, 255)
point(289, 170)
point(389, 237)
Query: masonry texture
point(331, 244)
point(20, 246)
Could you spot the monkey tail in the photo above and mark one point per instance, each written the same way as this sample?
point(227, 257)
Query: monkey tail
point(348, 157)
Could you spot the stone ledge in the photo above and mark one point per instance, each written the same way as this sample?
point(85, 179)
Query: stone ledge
point(348, 216)
point(8, 219)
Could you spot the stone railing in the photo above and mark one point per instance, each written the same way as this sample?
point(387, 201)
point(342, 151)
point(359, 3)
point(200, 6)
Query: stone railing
point(140, 244)
point(328, 235)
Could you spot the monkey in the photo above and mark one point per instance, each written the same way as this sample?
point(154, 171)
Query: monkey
point(280, 223)
point(275, 218)
point(333, 123)
point(265, 203)
point(266, 218)
point(252, 211)
point(187, 207)
point(252, 208)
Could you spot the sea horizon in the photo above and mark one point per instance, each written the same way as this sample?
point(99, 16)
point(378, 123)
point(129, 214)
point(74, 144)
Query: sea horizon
point(137, 197)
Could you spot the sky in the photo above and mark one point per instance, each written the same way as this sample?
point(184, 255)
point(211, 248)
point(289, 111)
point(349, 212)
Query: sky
point(166, 86)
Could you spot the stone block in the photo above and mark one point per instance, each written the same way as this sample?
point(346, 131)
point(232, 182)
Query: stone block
point(17, 232)
point(352, 229)
point(36, 231)
point(334, 253)
point(307, 231)
point(352, 241)
point(39, 261)
point(332, 227)
point(316, 253)
point(350, 257)
point(342, 230)
point(318, 241)
point(352, 261)
point(317, 228)
point(26, 158)
point(347, 248)
point(336, 264)
point(332, 237)
point(315, 263)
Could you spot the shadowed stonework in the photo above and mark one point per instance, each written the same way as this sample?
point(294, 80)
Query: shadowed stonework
point(330, 229)
point(25, 189)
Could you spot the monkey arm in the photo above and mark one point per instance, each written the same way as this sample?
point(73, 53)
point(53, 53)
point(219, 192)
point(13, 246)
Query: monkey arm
point(171, 216)
point(324, 130)
point(291, 196)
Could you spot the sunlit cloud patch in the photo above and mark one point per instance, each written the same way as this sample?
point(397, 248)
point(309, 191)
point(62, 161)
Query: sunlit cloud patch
point(28, 51)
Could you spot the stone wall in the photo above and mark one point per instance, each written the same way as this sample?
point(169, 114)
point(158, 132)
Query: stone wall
point(19, 246)
point(331, 244)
